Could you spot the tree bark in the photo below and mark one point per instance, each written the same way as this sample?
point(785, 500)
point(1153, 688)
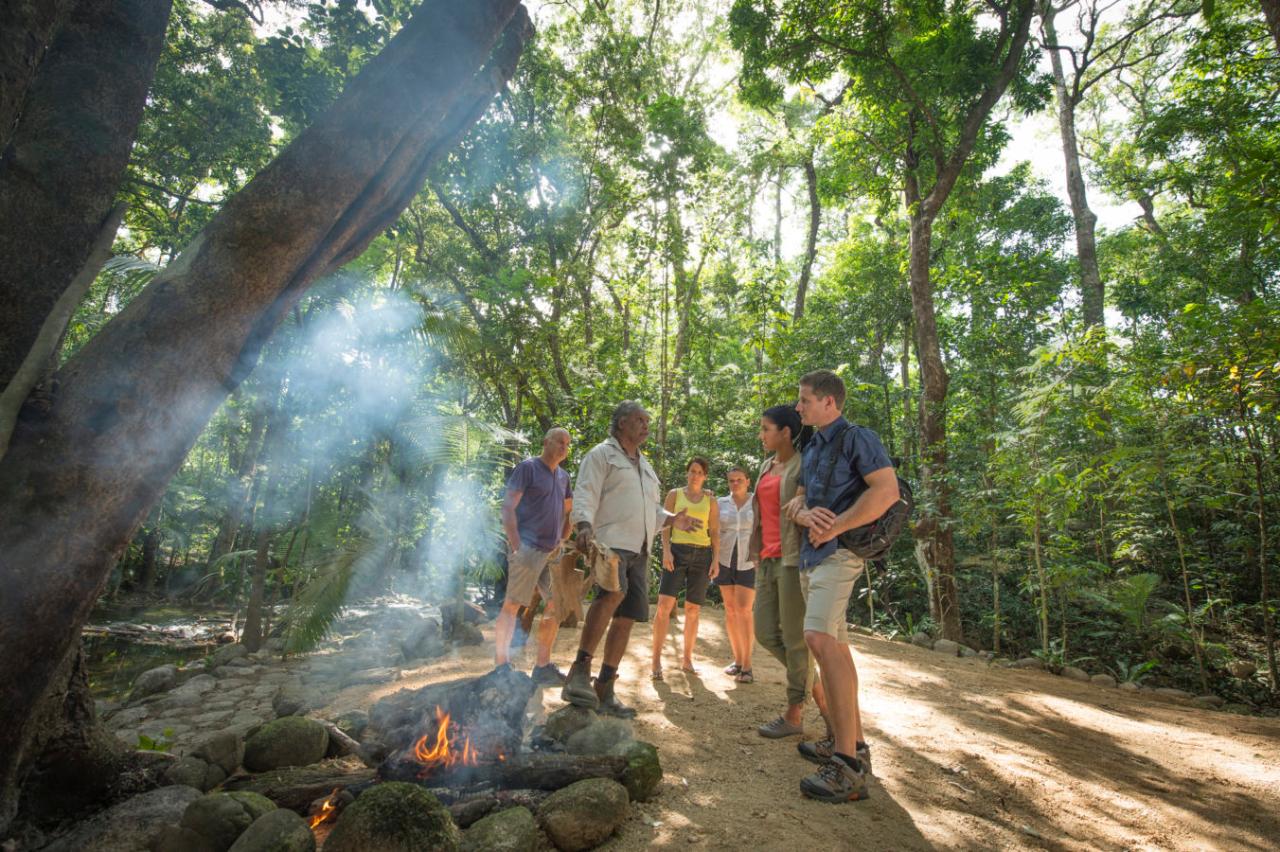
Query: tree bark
point(1092, 290)
point(79, 477)
point(26, 28)
point(62, 167)
point(1271, 10)
point(811, 246)
point(934, 527)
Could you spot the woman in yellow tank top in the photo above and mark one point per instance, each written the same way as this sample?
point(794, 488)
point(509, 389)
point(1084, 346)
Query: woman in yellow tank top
point(689, 562)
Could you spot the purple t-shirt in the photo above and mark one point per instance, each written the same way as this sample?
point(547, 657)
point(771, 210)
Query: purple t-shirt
point(540, 513)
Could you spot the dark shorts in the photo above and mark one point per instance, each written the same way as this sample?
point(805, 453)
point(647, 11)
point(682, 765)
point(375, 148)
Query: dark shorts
point(730, 575)
point(692, 573)
point(633, 581)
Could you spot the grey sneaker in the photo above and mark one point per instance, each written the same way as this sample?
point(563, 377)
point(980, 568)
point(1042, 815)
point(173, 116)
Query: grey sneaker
point(577, 688)
point(778, 728)
point(609, 703)
point(820, 751)
point(835, 782)
point(548, 675)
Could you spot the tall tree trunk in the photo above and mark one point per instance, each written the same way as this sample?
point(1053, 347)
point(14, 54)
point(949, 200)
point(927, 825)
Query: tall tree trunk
point(277, 431)
point(811, 245)
point(239, 485)
point(64, 162)
point(80, 476)
point(935, 526)
point(150, 547)
point(1092, 290)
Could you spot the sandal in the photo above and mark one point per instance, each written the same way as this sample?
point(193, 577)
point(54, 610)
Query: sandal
point(656, 675)
point(689, 670)
point(745, 676)
point(732, 669)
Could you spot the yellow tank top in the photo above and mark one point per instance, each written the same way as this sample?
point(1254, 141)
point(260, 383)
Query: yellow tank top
point(700, 510)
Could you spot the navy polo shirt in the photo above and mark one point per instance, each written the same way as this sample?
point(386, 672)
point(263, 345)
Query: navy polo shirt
point(540, 513)
point(861, 453)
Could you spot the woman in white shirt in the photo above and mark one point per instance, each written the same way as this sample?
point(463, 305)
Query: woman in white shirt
point(737, 577)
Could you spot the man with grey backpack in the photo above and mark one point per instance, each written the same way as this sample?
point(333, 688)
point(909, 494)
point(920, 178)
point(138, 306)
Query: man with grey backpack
point(847, 483)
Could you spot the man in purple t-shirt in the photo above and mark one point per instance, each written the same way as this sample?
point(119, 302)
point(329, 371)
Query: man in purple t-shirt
point(535, 517)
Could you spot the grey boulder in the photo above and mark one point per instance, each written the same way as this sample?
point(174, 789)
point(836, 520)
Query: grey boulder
point(131, 825)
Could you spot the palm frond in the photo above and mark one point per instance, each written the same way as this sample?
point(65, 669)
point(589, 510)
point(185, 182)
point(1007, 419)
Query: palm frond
point(320, 601)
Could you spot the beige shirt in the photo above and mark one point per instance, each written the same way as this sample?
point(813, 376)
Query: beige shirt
point(618, 497)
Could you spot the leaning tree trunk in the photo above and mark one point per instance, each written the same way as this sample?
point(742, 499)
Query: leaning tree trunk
point(26, 28)
point(80, 475)
point(62, 168)
point(1092, 292)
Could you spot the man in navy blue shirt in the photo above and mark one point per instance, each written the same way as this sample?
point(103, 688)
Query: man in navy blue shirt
point(846, 481)
point(535, 517)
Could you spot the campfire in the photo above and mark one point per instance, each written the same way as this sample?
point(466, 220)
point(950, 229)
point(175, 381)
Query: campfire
point(441, 756)
point(464, 741)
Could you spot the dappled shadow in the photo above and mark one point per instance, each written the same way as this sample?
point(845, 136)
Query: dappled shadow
point(1064, 760)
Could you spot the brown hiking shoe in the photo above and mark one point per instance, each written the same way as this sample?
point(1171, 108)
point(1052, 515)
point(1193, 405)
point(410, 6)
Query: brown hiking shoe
point(820, 751)
point(836, 781)
point(609, 703)
point(577, 689)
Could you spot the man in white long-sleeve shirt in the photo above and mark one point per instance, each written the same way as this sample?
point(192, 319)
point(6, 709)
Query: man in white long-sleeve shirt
point(617, 503)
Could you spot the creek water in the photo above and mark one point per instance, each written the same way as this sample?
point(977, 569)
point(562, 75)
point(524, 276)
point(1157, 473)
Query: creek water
point(123, 640)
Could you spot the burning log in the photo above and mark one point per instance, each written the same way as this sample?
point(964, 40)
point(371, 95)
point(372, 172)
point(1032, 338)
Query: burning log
point(490, 709)
point(524, 771)
point(296, 788)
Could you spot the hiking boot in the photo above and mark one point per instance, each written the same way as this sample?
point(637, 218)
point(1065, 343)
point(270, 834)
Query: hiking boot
point(820, 751)
point(817, 751)
point(577, 688)
point(836, 781)
point(609, 703)
point(548, 675)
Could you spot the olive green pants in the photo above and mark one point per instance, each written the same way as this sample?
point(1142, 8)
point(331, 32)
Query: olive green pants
point(779, 624)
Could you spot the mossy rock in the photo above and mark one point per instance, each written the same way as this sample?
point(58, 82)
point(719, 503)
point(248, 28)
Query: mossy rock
point(394, 817)
point(512, 830)
point(289, 741)
point(644, 771)
point(584, 814)
point(279, 831)
point(220, 818)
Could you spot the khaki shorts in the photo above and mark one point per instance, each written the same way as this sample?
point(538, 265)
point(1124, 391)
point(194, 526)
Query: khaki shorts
point(529, 568)
point(827, 587)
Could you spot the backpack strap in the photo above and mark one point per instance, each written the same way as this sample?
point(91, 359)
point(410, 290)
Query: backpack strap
point(835, 453)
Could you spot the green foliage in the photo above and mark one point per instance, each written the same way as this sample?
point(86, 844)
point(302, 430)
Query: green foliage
point(164, 742)
point(622, 224)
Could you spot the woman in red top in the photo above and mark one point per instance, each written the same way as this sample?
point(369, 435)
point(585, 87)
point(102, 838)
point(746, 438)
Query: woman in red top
point(775, 548)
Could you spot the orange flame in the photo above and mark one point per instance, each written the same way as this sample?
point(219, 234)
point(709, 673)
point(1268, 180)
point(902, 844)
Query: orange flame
point(439, 755)
point(327, 807)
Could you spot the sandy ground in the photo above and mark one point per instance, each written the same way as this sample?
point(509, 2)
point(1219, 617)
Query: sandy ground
point(967, 756)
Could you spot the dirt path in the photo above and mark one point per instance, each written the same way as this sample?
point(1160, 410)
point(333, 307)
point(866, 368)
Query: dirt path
point(966, 757)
